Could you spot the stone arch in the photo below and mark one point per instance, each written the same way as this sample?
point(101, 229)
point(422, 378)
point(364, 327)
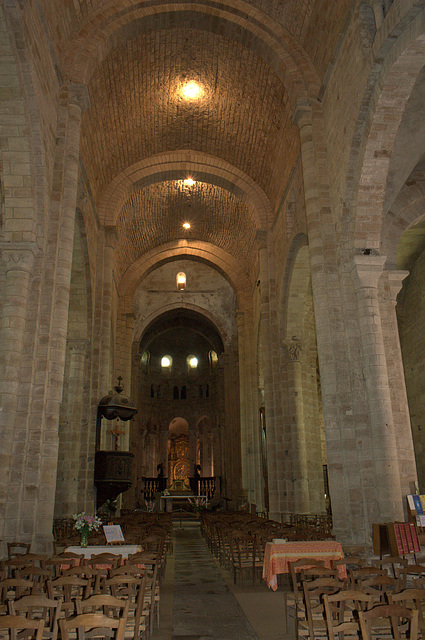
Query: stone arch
point(150, 319)
point(227, 265)
point(176, 165)
point(398, 61)
point(91, 42)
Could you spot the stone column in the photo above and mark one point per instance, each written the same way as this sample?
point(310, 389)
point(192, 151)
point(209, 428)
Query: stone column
point(299, 448)
point(19, 259)
point(275, 448)
point(349, 521)
point(383, 494)
point(69, 494)
point(400, 405)
point(245, 414)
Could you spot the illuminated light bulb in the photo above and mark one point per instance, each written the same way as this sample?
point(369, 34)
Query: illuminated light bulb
point(193, 362)
point(186, 225)
point(165, 362)
point(189, 182)
point(191, 91)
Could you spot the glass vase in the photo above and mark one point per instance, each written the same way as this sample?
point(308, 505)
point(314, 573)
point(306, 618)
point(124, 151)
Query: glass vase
point(83, 541)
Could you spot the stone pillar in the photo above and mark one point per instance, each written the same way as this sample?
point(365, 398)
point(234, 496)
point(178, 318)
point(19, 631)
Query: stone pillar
point(299, 448)
point(19, 259)
point(275, 448)
point(350, 524)
point(383, 494)
point(400, 405)
point(231, 469)
point(245, 414)
point(70, 496)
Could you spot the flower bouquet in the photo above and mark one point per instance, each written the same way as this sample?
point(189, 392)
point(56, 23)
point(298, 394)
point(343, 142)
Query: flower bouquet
point(85, 524)
point(198, 504)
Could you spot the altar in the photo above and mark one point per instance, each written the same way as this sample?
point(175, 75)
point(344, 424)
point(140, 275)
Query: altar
point(167, 504)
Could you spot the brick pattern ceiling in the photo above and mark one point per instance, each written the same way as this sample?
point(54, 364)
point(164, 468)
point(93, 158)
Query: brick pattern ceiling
point(138, 110)
point(252, 58)
point(154, 215)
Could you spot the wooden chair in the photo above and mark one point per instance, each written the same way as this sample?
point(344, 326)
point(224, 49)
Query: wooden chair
point(105, 560)
point(412, 571)
point(37, 575)
point(412, 599)
point(96, 576)
point(103, 603)
point(389, 621)
point(61, 562)
point(354, 575)
point(92, 625)
point(351, 562)
point(14, 588)
point(134, 590)
point(38, 607)
point(17, 548)
point(393, 562)
point(313, 624)
point(340, 611)
point(379, 587)
point(13, 624)
point(67, 589)
point(291, 600)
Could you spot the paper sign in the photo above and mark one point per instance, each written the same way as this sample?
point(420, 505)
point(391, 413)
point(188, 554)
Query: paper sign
point(113, 533)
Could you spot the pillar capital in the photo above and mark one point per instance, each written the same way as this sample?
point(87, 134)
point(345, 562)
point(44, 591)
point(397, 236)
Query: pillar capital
point(77, 345)
point(302, 114)
point(19, 256)
point(395, 280)
point(79, 95)
point(366, 271)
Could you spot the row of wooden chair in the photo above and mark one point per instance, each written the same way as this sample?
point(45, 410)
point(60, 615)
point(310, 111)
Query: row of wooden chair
point(98, 576)
point(365, 587)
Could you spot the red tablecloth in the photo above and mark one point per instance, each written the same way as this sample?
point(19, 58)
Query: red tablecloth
point(278, 556)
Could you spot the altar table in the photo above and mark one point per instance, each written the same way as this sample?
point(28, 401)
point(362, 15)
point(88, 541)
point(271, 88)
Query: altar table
point(278, 556)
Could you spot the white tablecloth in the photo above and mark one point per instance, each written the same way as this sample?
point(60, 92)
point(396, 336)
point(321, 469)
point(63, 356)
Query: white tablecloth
point(123, 550)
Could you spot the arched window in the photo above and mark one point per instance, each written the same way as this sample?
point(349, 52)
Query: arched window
point(145, 359)
point(183, 393)
point(175, 393)
point(207, 390)
point(166, 364)
point(213, 360)
point(152, 391)
point(181, 281)
point(192, 362)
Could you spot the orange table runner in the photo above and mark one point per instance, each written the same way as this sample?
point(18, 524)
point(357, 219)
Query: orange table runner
point(278, 556)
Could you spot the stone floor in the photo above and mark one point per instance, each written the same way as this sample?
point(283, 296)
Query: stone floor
point(200, 602)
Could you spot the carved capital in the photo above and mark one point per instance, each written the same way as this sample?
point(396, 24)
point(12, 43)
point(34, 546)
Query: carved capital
point(19, 256)
point(79, 96)
point(366, 271)
point(77, 345)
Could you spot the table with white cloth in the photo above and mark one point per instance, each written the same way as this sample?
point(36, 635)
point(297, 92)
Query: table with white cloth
point(278, 556)
point(123, 550)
